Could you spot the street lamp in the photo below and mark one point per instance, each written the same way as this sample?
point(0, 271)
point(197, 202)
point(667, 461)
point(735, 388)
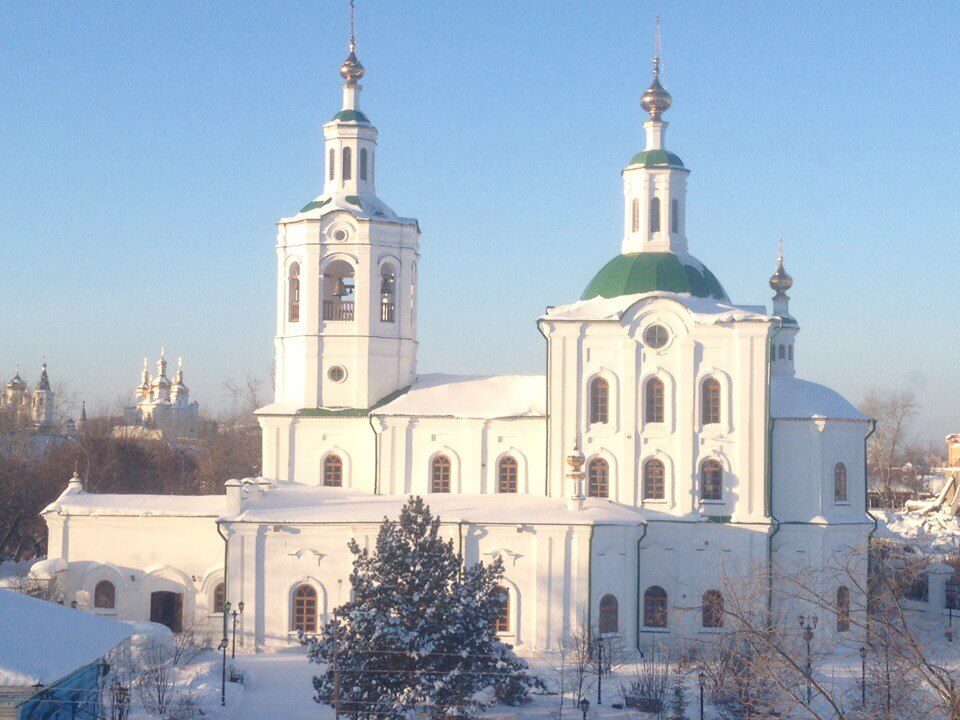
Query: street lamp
point(863, 676)
point(223, 672)
point(584, 707)
point(808, 625)
point(702, 680)
point(234, 614)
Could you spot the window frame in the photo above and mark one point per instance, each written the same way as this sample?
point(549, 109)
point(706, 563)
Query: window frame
point(711, 610)
point(508, 475)
point(840, 482)
point(362, 170)
point(651, 413)
point(441, 473)
point(635, 215)
point(596, 482)
point(300, 618)
point(647, 478)
point(104, 583)
point(607, 607)
point(717, 468)
point(503, 622)
point(843, 609)
point(332, 470)
point(332, 155)
point(347, 161)
point(656, 608)
point(293, 293)
point(654, 219)
point(711, 401)
point(599, 400)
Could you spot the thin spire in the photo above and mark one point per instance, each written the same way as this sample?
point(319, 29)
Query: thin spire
point(353, 33)
point(656, 49)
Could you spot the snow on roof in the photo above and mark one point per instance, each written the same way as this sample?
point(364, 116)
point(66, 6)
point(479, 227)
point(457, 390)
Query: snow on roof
point(793, 398)
point(73, 502)
point(291, 503)
point(465, 396)
point(43, 642)
point(933, 534)
point(707, 311)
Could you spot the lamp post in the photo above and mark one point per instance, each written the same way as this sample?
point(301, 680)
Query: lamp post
point(863, 676)
point(584, 707)
point(223, 672)
point(234, 615)
point(808, 625)
point(702, 680)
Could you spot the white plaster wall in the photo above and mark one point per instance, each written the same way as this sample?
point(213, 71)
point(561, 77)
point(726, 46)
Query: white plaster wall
point(733, 354)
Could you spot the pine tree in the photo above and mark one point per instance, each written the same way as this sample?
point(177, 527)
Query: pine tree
point(419, 631)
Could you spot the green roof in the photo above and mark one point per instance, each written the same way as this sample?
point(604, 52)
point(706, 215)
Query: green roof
point(652, 272)
point(314, 205)
point(352, 116)
point(351, 412)
point(657, 158)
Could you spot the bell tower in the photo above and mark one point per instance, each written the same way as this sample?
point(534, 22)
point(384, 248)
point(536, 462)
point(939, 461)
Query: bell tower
point(346, 275)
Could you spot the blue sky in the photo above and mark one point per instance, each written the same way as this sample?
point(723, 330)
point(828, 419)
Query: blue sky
point(149, 148)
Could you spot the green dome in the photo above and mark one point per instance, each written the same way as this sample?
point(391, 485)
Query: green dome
point(656, 158)
point(653, 272)
point(351, 116)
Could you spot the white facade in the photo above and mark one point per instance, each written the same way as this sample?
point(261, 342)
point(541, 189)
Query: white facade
point(705, 459)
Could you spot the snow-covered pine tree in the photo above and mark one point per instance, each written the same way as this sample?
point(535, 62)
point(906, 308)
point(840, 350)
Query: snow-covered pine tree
point(419, 632)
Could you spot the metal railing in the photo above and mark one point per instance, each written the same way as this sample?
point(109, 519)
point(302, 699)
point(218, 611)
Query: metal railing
point(338, 309)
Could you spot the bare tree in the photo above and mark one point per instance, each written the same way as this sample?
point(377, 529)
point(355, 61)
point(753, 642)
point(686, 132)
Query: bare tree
point(894, 413)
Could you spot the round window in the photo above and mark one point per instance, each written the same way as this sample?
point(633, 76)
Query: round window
point(656, 336)
point(340, 235)
point(336, 373)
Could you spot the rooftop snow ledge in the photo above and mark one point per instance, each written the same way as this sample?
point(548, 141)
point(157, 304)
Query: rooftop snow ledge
point(706, 311)
point(793, 398)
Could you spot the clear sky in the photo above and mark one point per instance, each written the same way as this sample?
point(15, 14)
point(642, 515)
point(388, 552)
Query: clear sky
point(149, 148)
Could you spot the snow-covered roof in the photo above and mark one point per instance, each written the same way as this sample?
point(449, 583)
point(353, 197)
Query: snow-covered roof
point(77, 502)
point(363, 207)
point(706, 310)
point(291, 503)
point(42, 642)
point(465, 396)
point(794, 398)
point(931, 534)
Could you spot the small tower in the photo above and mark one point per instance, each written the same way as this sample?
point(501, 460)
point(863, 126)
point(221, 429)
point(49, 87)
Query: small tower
point(43, 400)
point(179, 393)
point(655, 181)
point(782, 347)
point(142, 392)
point(161, 383)
point(346, 275)
point(82, 422)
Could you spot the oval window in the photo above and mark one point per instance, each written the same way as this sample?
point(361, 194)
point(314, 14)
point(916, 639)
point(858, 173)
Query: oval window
point(656, 336)
point(336, 373)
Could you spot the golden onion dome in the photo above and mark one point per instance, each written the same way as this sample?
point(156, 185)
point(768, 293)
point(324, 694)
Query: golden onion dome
point(656, 100)
point(351, 70)
point(780, 281)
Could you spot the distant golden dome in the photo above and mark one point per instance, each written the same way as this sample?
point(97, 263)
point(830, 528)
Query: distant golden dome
point(656, 100)
point(351, 70)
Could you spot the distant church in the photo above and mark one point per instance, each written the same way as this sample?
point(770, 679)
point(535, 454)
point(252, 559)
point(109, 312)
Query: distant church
point(30, 416)
point(161, 408)
point(668, 448)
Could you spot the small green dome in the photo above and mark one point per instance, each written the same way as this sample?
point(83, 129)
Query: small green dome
point(351, 116)
point(652, 272)
point(657, 158)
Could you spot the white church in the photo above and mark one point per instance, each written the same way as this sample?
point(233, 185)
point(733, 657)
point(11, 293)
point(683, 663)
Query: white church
point(668, 448)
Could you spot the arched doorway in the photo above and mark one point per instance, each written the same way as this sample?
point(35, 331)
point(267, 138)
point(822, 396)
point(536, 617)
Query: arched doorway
point(166, 608)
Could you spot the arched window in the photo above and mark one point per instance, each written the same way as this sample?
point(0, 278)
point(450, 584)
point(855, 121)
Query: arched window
point(710, 391)
point(599, 400)
point(654, 401)
point(332, 163)
point(843, 608)
point(598, 478)
point(363, 163)
point(293, 293)
point(789, 352)
point(219, 597)
point(304, 618)
point(347, 163)
point(654, 214)
point(711, 609)
point(105, 595)
point(609, 620)
point(501, 622)
point(674, 215)
point(840, 482)
point(440, 474)
point(332, 471)
point(655, 607)
point(654, 486)
point(781, 352)
point(635, 220)
point(507, 475)
point(711, 480)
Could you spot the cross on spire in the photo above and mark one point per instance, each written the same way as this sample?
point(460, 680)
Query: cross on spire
point(353, 34)
point(656, 49)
